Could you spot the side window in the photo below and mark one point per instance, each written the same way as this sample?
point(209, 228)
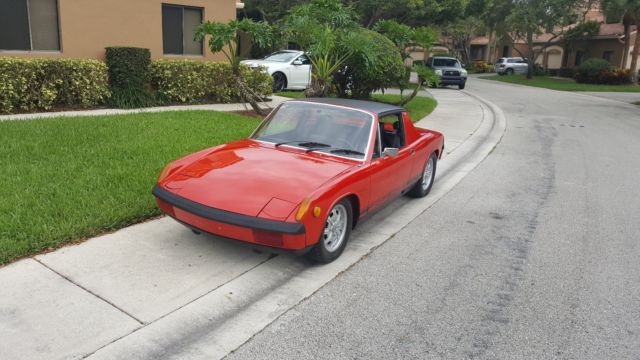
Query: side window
point(305, 60)
point(391, 131)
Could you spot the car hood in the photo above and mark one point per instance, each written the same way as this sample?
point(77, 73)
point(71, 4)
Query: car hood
point(256, 179)
point(268, 64)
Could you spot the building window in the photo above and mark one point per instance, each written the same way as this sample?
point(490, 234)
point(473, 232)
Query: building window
point(505, 51)
point(579, 57)
point(178, 28)
point(29, 25)
point(607, 55)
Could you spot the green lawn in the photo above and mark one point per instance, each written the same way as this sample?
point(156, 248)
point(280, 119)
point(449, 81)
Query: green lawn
point(418, 108)
point(560, 84)
point(65, 179)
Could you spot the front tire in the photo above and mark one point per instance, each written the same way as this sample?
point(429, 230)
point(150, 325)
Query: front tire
point(335, 234)
point(423, 186)
point(279, 82)
point(461, 85)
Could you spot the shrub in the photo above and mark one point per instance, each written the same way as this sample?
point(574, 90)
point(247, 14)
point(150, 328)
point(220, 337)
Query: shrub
point(129, 77)
point(593, 67)
point(482, 67)
point(374, 63)
point(40, 84)
point(600, 71)
point(193, 81)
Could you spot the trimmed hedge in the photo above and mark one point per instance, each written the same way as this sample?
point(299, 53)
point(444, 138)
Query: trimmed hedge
point(600, 71)
point(129, 77)
point(193, 81)
point(40, 84)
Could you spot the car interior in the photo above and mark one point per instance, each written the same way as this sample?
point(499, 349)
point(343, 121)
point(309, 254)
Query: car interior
point(391, 133)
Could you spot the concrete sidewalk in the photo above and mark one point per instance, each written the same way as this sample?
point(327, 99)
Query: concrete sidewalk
point(155, 290)
point(275, 101)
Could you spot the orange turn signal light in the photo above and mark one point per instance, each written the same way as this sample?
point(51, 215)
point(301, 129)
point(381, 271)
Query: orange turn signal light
point(302, 210)
point(317, 211)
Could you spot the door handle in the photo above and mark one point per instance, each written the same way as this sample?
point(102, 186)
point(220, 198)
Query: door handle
point(413, 151)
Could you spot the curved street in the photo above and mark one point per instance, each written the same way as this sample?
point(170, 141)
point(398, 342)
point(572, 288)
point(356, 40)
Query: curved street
point(534, 255)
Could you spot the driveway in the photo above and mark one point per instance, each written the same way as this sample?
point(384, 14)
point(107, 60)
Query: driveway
point(534, 255)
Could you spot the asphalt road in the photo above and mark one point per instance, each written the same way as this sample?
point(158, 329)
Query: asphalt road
point(534, 255)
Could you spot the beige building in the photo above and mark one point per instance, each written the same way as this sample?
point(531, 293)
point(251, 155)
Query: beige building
point(83, 28)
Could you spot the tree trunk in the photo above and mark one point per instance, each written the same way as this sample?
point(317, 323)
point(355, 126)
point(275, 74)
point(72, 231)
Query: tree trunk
point(634, 56)
point(413, 94)
point(530, 54)
point(625, 49)
point(488, 50)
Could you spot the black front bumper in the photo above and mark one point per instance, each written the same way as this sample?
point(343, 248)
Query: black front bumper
point(227, 216)
point(452, 80)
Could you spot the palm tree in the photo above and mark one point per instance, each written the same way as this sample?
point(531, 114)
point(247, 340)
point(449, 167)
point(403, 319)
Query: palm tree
point(628, 11)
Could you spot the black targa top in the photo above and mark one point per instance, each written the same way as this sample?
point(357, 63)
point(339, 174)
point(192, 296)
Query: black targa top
point(381, 109)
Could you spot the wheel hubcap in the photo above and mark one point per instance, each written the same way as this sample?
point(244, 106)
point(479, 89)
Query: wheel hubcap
point(427, 175)
point(335, 228)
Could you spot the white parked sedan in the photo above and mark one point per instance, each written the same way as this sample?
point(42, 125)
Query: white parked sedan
point(290, 69)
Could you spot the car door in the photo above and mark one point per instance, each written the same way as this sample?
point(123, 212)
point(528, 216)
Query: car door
point(389, 174)
point(523, 66)
point(300, 75)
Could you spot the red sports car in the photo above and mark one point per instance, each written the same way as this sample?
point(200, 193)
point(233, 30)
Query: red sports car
point(305, 177)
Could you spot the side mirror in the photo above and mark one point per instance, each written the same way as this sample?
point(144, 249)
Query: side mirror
point(464, 65)
point(391, 152)
point(297, 62)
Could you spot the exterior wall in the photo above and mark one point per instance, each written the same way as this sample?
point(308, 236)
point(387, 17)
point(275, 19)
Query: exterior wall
point(88, 26)
point(595, 48)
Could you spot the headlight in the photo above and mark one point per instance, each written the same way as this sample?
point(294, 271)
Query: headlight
point(463, 72)
point(438, 72)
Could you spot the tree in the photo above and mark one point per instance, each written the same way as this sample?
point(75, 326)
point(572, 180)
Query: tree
point(268, 10)
point(373, 11)
point(628, 11)
point(374, 63)
point(462, 32)
point(223, 37)
point(492, 14)
point(532, 18)
point(404, 36)
point(316, 27)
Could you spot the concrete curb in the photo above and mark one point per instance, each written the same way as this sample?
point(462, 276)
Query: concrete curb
point(275, 100)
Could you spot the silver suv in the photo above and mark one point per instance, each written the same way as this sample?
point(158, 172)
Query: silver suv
point(511, 65)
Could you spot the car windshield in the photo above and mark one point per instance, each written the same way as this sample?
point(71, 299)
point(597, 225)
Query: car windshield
point(446, 63)
point(281, 56)
point(318, 128)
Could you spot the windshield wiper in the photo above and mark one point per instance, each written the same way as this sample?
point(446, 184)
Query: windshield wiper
point(347, 151)
point(307, 144)
point(337, 150)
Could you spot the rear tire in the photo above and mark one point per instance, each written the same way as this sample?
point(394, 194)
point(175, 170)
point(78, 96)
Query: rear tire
point(509, 71)
point(423, 186)
point(335, 235)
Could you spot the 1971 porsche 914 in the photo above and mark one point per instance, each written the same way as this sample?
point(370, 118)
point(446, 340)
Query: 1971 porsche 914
point(304, 178)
